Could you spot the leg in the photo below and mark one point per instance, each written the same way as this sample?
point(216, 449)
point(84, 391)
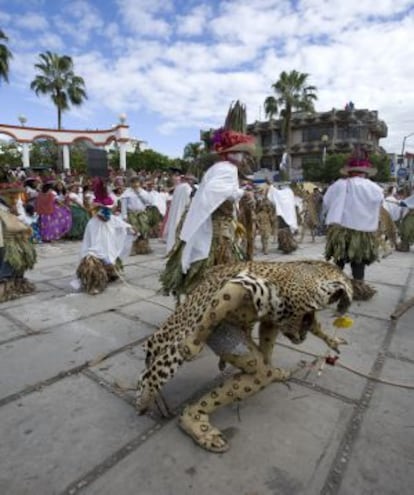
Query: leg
point(358, 270)
point(265, 242)
point(332, 342)
point(267, 337)
point(362, 291)
point(160, 370)
point(255, 376)
point(230, 299)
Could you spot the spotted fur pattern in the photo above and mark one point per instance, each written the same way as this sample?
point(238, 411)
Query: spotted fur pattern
point(281, 296)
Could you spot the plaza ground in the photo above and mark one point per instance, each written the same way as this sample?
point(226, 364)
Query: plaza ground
point(69, 363)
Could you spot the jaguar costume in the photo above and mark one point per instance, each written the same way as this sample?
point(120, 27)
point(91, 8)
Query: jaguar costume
point(221, 312)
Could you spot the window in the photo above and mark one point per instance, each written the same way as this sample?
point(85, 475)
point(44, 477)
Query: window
point(314, 133)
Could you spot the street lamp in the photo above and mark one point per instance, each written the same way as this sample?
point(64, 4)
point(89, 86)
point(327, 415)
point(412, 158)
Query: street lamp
point(324, 140)
point(22, 120)
point(410, 171)
point(403, 144)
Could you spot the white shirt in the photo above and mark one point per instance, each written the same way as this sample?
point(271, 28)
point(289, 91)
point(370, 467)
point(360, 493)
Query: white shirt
point(354, 203)
point(134, 201)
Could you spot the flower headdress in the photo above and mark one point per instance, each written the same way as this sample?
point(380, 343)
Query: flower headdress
point(359, 162)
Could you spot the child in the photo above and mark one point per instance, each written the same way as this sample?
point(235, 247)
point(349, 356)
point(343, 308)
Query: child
point(31, 218)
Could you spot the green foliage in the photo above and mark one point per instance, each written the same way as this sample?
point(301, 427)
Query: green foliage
point(148, 160)
point(316, 171)
point(5, 57)
point(79, 157)
point(193, 151)
point(57, 79)
point(10, 155)
point(43, 153)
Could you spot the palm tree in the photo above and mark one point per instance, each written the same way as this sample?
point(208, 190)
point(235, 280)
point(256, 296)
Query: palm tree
point(5, 56)
point(58, 80)
point(192, 151)
point(292, 93)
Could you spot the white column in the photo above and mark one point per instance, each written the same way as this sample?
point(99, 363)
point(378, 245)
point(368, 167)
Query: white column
point(25, 155)
point(66, 157)
point(122, 155)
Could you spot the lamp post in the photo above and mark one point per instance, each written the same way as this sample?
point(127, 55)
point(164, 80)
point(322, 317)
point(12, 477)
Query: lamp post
point(324, 140)
point(410, 170)
point(22, 119)
point(403, 144)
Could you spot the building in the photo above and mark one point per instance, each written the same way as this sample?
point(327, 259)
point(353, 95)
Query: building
point(313, 135)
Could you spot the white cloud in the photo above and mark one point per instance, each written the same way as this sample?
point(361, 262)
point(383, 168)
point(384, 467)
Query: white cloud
point(144, 16)
point(32, 21)
point(237, 50)
point(195, 22)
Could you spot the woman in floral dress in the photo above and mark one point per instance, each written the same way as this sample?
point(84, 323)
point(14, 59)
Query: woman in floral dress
point(55, 219)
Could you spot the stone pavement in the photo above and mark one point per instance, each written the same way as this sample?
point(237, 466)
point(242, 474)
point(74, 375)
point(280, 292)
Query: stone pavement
point(68, 362)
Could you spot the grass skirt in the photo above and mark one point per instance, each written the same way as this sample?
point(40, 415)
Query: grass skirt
point(80, 218)
point(348, 245)
point(407, 228)
point(95, 275)
point(19, 253)
point(224, 250)
point(140, 222)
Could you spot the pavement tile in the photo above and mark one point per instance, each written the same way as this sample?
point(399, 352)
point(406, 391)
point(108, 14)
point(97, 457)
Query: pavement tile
point(123, 370)
point(386, 300)
point(364, 341)
point(382, 457)
point(147, 311)
point(45, 294)
point(39, 357)
point(41, 315)
point(286, 452)
point(52, 437)
point(402, 342)
point(9, 329)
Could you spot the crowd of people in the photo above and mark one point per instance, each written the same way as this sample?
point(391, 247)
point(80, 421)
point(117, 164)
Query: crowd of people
point(202, 224)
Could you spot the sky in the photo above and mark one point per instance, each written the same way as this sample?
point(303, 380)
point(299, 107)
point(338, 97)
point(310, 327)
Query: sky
point(174, 66)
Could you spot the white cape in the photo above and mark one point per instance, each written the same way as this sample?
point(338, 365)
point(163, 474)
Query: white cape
point(107, 240)
point(180, 201)
point(284, 201)
point(354, 203)
point(219, 183)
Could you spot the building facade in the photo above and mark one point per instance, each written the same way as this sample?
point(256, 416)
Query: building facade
point(313, 135)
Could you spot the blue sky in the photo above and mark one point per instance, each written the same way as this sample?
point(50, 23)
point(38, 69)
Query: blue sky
point(175, 66)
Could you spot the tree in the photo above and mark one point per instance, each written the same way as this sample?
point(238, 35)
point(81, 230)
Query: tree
point(148, 160)
point(44, 153)
point(10, 155)
point(58, 80)
point(5, 57)
point(292, 93)
point(317, 171)
point(193, 151)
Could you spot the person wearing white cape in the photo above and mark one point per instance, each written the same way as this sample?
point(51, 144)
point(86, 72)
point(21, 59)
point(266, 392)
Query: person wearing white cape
point(106, 242)
point(352, 206)
point(207, 237)
point(284, 202)
point(180, 201)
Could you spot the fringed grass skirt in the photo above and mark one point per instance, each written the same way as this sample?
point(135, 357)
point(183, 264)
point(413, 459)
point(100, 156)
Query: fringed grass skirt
point(407, 228)
point(224, 250)
point(350, 245)
point(19, 253)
